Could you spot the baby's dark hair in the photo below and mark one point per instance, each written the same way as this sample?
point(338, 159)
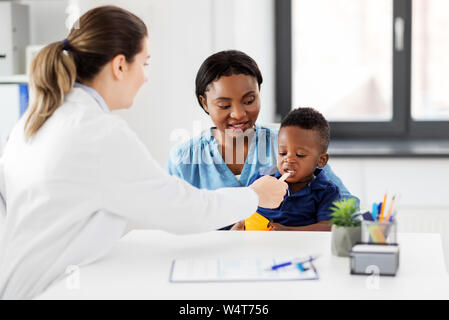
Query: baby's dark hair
point(309, 119)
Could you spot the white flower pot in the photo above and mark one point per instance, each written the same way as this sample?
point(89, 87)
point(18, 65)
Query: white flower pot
point(343, 239)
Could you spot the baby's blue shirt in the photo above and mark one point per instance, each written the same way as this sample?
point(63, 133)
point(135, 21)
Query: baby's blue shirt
point(307, 206)
point(199, 162)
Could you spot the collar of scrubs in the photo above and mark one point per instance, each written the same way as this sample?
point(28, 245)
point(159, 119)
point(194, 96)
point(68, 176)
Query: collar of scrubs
point(318, 183)
point(94, 94)
point(209, 137)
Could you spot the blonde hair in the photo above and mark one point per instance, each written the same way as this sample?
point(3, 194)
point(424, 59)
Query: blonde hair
point(53, 75)
point(103, 33)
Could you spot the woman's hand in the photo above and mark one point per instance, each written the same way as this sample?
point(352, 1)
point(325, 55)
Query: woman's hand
point(239, 226)
point(279, 227)
point(271, 191)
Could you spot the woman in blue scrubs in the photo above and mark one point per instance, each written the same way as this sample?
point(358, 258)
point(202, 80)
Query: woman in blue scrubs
point(229, 154)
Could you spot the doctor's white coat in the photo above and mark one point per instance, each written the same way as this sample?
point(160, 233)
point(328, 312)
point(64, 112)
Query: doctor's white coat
point(73, 189)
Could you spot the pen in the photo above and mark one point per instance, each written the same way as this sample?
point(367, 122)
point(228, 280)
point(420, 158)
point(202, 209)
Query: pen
point(392, 215)
point(285, 264)
point(390, 210)
point(379, 207)
point(394, 211)
point(374, 212)
point(383, 208)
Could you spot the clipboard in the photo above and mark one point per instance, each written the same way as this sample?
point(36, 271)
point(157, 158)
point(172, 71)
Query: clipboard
point(238, 270)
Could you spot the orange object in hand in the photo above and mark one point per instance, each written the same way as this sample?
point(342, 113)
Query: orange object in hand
point(257, 222)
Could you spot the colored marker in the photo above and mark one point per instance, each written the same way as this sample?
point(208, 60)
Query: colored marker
point(381, 217)
point(374, 212)
point(390, 210)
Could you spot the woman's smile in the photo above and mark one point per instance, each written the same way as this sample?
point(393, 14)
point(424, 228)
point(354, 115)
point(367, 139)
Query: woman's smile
point(243, 126)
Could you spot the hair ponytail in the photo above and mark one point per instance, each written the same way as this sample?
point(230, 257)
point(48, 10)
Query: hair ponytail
point(103, 33)
point(52, 76)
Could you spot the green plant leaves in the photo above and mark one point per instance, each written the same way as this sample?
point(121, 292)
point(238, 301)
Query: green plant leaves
point(344, 213)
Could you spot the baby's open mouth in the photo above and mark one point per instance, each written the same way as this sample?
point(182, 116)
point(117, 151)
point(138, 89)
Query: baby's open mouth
point(291, 171)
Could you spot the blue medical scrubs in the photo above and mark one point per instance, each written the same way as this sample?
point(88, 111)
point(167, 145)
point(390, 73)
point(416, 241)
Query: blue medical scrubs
point(199, 162)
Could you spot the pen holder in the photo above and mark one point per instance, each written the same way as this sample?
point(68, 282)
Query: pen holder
point(379, 232)
point(367, 259)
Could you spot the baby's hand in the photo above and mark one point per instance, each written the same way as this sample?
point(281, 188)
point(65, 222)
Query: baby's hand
point(279, 227)
point(239, 226)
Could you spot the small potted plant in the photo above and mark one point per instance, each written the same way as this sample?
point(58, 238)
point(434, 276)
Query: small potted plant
point(346, 230)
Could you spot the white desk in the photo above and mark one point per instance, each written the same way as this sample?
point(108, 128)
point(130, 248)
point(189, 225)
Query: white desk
point(139, 268)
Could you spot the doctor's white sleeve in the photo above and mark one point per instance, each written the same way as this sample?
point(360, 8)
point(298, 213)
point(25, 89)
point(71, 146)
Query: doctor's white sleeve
point(135, 186)
point(2, 198)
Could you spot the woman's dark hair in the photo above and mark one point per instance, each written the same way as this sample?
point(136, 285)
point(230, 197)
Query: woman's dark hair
point(224, 63)
point(309, 119)
point(100, 34)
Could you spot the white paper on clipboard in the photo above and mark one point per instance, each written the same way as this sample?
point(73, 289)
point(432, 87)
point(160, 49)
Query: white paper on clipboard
point(218, 270)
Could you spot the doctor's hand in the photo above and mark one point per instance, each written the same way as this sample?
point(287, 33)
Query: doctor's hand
point(271, 191)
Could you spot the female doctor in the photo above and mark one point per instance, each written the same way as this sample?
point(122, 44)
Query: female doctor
point(74, 176)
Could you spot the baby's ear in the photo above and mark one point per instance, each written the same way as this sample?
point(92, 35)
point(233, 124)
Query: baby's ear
point(322, 161)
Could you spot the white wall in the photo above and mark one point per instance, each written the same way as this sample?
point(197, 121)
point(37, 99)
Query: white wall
point(47, 20)
point(421, 182)
point(182, 34)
